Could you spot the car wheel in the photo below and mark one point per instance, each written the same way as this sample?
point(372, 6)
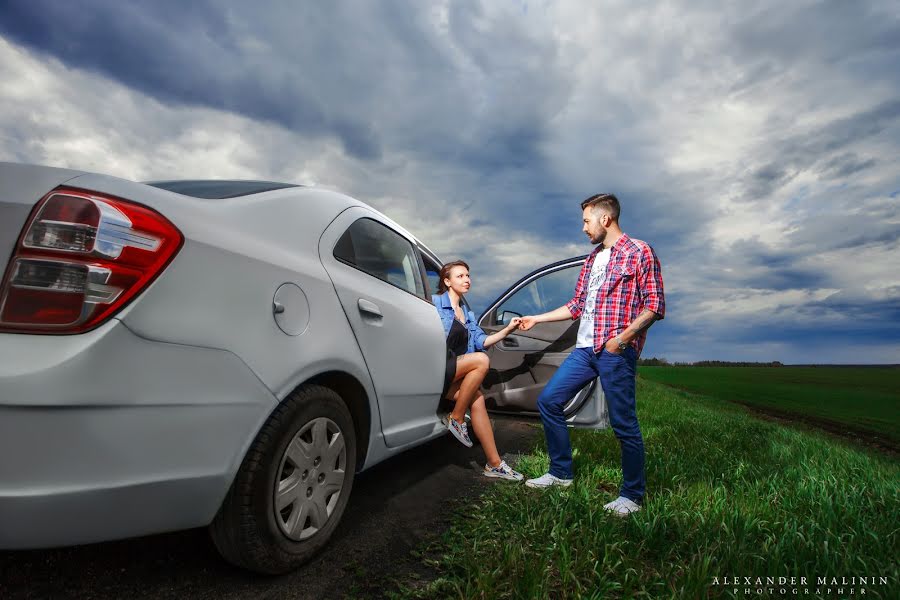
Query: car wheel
point(292, 488)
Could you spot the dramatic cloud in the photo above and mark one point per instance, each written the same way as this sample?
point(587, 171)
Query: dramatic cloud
point(753, 145)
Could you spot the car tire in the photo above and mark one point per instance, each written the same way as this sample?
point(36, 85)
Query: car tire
point(289, 462)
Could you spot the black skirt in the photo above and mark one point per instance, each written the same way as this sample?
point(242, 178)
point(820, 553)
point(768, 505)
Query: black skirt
point(457, 345)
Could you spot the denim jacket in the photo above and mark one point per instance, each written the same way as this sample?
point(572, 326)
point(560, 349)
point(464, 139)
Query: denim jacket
point(445, 310)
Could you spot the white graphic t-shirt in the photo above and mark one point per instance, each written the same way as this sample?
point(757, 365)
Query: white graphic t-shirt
point(598, 276)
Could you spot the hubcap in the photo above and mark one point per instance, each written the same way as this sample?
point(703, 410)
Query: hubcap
point(310, 479)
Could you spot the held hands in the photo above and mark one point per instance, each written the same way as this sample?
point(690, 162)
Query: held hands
point(514, 324)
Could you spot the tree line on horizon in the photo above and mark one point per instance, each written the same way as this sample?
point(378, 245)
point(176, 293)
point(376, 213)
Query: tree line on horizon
point(662, 362)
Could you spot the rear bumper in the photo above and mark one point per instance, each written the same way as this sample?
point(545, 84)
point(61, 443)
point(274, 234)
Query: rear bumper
point(106, 435)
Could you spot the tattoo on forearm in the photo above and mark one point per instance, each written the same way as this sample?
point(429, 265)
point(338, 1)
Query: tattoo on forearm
point(644, 321)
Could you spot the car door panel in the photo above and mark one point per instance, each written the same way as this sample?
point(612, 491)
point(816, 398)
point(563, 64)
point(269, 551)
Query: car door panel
point(400, 335)
point(523, 364)
point(519, 372)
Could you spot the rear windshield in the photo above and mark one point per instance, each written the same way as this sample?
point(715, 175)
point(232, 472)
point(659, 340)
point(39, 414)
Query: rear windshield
point(219, 189)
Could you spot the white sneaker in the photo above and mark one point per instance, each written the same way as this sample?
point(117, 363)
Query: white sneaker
point(459, 431)
point(547, 480)
point(622, 506)
point(503, 471)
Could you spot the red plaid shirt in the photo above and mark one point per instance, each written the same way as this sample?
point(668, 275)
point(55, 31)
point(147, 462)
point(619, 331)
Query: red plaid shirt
point(633, 284)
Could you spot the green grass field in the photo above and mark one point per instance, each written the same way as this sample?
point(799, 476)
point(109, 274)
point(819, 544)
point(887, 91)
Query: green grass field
point(728, 495)
point(864, 398)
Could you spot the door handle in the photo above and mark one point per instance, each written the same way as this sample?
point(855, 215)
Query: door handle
point(368, 307)
point(510, 343)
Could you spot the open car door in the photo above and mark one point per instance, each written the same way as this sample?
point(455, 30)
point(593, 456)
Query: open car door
point(523, 363)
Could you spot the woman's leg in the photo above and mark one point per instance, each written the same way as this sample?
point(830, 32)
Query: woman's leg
point(470, 372)
point(481, 423)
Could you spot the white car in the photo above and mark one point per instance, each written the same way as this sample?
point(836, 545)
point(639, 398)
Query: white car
point(224, 353)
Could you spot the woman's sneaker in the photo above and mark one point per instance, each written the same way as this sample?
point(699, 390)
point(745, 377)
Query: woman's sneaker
point(503, 471)
point(459, 431)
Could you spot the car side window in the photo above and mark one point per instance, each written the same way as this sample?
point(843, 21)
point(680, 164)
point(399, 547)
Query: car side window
point(547, 292)
point(432, 274)
point(376, 249)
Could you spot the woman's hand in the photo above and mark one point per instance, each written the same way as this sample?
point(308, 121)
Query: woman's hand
point(513, 325)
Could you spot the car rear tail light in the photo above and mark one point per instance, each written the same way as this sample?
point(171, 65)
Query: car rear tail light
point(81, 258)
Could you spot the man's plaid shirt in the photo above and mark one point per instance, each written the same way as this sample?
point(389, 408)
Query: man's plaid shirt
point(633, 284)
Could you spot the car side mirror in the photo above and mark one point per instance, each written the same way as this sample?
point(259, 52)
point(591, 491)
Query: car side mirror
point(508, 315)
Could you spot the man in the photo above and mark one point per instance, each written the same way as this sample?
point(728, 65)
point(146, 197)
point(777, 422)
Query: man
point(619, 295)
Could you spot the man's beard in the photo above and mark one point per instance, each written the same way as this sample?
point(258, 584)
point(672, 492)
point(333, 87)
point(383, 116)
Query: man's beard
point(599, 238)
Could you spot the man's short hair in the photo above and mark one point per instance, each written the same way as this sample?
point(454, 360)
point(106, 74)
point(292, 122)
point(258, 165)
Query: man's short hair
point(607, 202)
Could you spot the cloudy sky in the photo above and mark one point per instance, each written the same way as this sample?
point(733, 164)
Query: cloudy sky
point(754, 145)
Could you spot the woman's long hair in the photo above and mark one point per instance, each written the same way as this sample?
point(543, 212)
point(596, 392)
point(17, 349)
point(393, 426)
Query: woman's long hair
point(445, 273)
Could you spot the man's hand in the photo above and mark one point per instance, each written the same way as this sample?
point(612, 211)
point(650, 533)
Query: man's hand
point(514, 324)
point(612, 346)
point(642, 323)
point(526, 323)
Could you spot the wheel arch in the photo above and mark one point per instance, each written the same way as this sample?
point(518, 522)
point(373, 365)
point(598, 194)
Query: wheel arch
point(354, 395)
point(350, 390)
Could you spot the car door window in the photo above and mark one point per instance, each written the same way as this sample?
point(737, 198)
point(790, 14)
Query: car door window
point(376, 249)
point(432, 274)
point(540, 295)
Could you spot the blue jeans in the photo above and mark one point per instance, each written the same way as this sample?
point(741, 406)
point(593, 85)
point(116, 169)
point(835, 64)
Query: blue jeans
point(616, 373)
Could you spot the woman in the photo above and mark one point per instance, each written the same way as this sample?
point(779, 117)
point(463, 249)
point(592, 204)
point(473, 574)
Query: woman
point(467, 365)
